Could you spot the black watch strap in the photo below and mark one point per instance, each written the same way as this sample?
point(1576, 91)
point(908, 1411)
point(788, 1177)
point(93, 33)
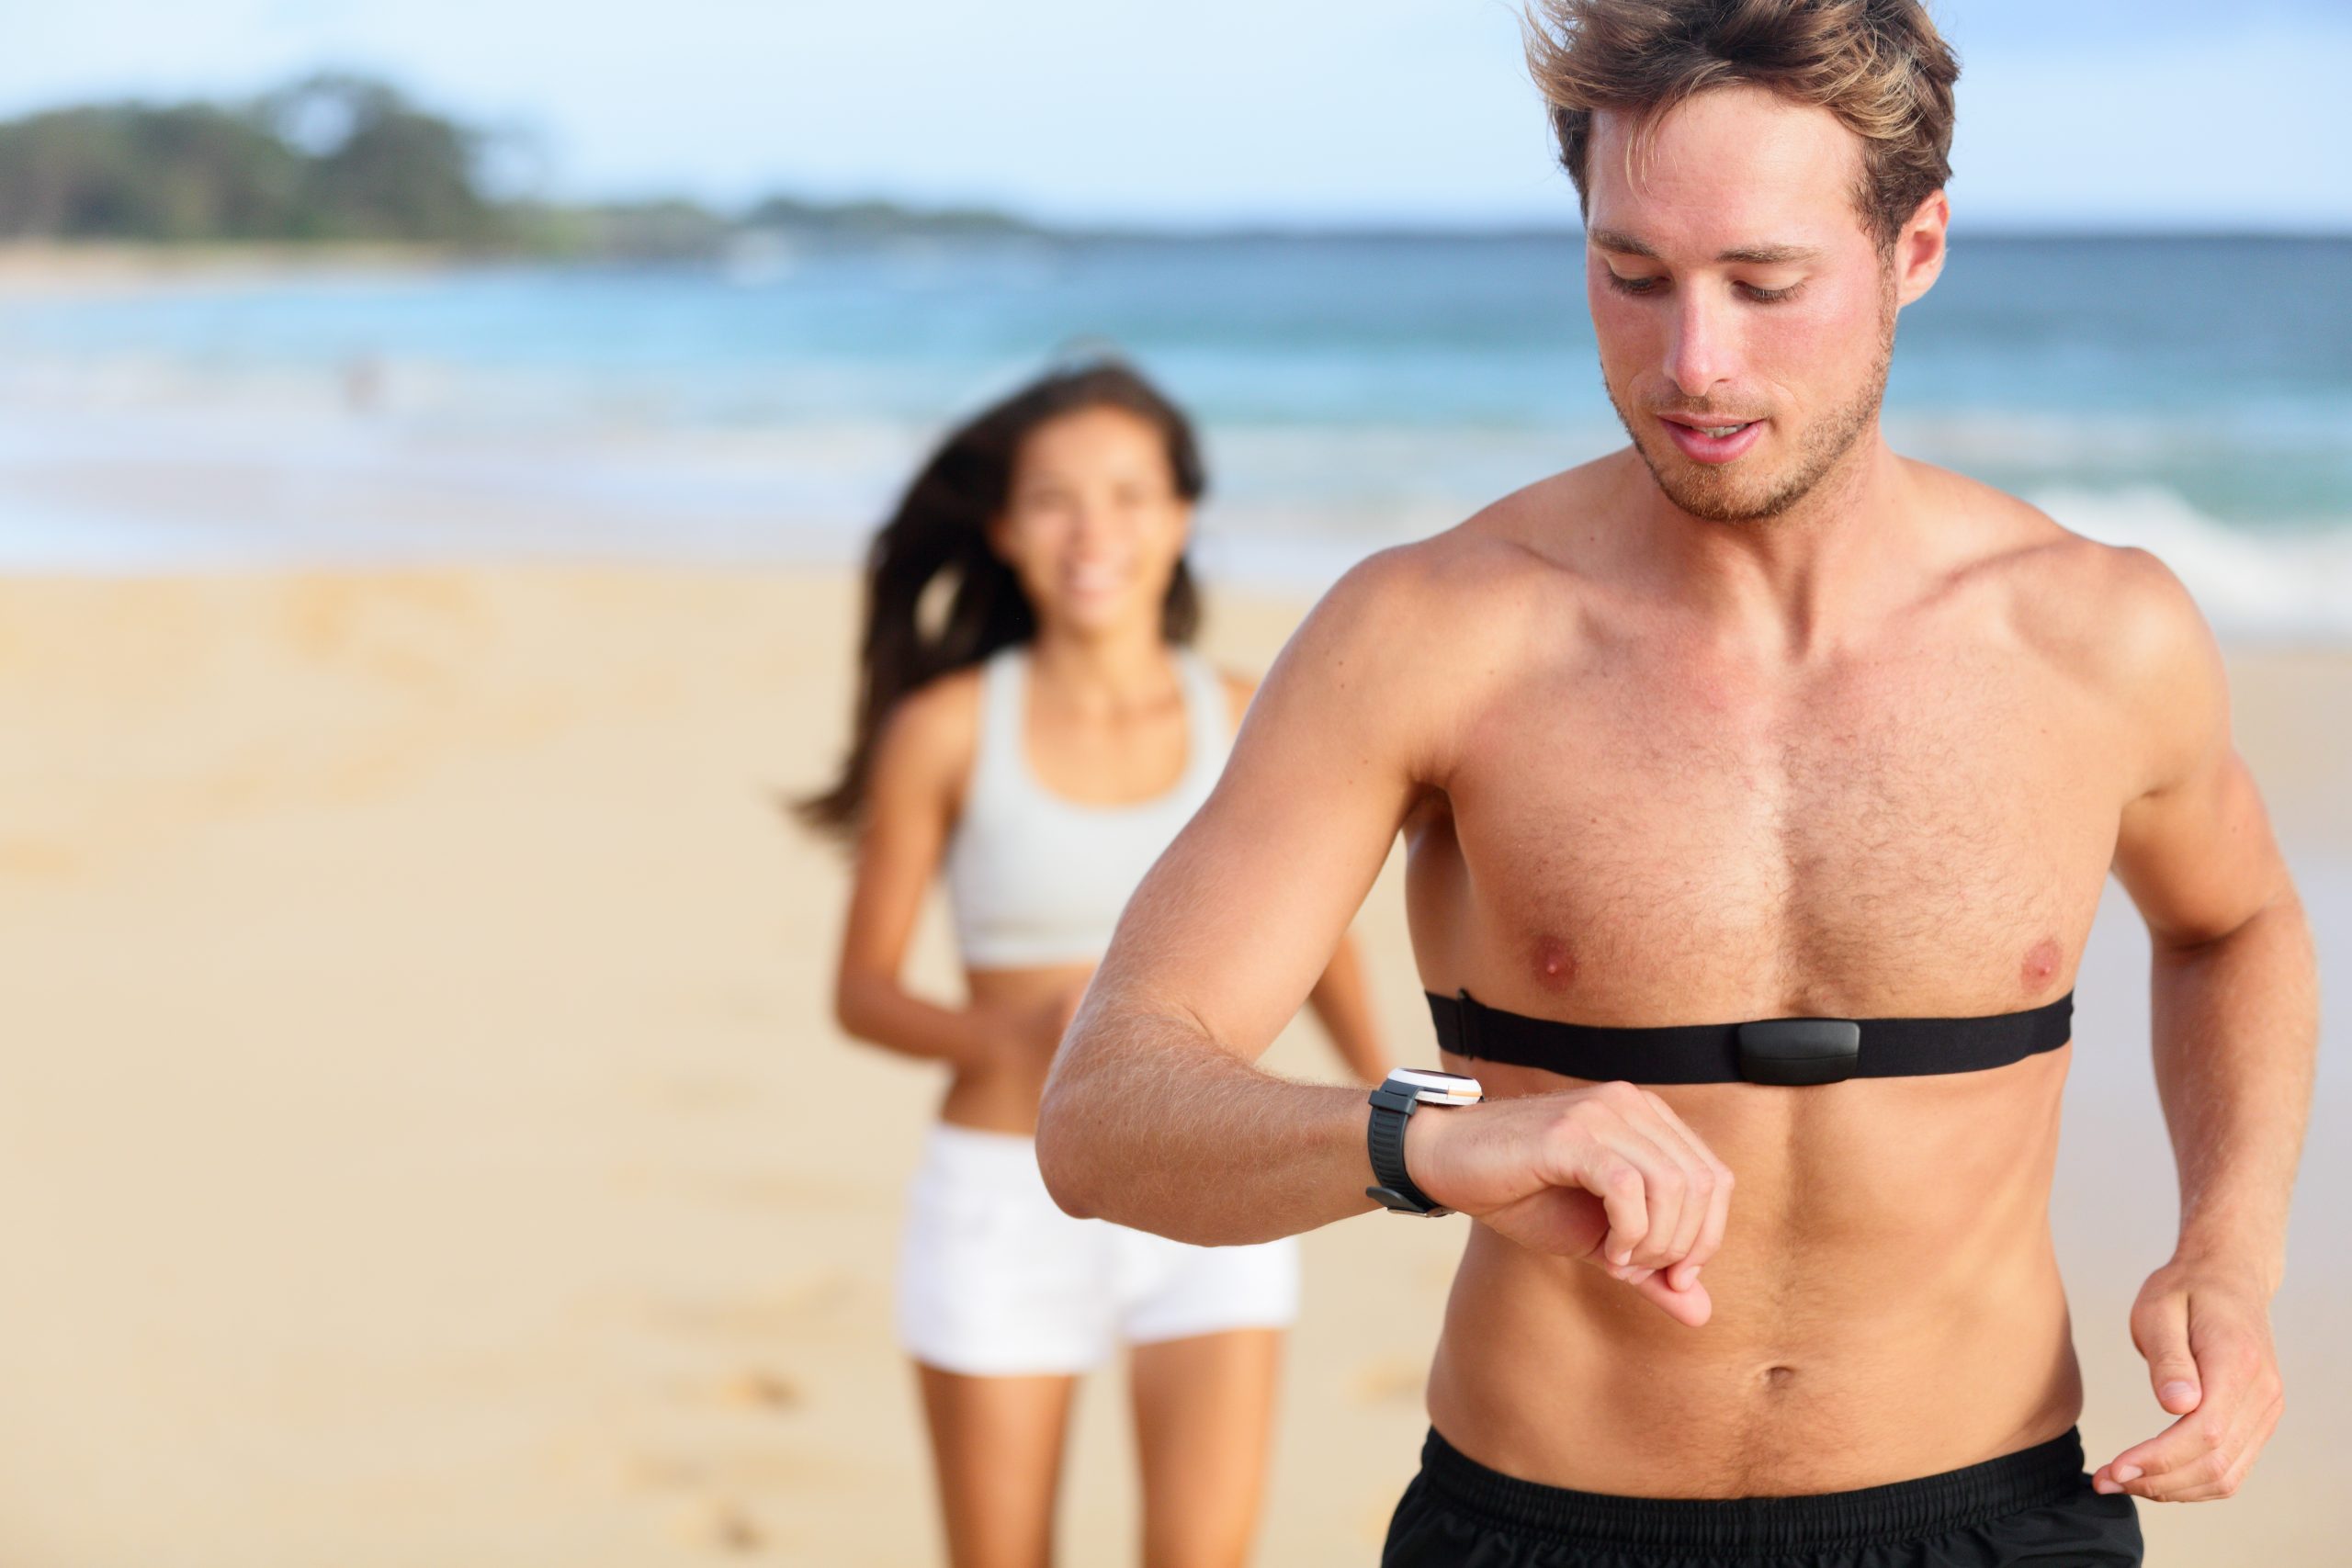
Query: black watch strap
point(1385, 1138)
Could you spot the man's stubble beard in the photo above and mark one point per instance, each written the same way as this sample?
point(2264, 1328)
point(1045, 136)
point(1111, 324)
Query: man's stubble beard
point(1713, 493)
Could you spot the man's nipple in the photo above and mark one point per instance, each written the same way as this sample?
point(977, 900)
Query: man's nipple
point(2040, 965)
point(1555, 965)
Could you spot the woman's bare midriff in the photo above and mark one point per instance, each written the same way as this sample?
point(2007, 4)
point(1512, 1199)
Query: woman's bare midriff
point(1887, 1304)
point(1002, 1096)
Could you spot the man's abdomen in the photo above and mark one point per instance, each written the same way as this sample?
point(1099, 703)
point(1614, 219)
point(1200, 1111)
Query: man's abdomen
point(1886, 1305)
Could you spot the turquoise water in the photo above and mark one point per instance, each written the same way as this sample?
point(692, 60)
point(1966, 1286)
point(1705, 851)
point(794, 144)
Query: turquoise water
point(2194, 395)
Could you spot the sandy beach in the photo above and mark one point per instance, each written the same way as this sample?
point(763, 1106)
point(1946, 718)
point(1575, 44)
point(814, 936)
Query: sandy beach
point(36, 268)
point(412, 996)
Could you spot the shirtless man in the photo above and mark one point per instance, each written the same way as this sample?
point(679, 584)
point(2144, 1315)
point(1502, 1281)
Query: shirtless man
point(1753, 719)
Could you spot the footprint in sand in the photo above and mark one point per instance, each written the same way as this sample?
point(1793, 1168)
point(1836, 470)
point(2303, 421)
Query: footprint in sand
point(32, 860)
point(760, 1389)
point(720, 1524)
point(1386, 1380)
point(705, 1092)
point(793, 1307)
point(695, 1468)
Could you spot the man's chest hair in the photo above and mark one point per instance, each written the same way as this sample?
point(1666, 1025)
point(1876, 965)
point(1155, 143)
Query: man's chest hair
point(1935, 826)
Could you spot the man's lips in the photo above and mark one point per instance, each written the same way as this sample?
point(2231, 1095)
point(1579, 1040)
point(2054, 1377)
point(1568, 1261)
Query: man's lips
point(1711, 438)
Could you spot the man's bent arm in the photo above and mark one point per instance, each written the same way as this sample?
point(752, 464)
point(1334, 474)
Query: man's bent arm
point(2236, 1031)
point(2235, 1039)
point(1191, 1141)
point(2234, 976)
point(1155, 1115)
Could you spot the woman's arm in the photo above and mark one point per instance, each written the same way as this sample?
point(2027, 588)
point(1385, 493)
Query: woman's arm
point(921, 758)
point(1342, 1004)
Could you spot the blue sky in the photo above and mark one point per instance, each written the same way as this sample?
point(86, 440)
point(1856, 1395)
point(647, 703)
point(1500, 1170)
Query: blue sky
point(2078, 113)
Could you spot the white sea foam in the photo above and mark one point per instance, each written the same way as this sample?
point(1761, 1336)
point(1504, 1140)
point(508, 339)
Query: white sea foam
point(2289, 583)
point(144, 464)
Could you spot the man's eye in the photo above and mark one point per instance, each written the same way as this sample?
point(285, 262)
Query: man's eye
point(1771, 296)
point(1634, 284)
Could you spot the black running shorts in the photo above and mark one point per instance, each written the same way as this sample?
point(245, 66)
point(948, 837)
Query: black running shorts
point(2032, 1506)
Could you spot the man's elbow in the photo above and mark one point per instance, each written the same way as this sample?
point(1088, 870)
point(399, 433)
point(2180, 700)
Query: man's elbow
point(1063, 1156)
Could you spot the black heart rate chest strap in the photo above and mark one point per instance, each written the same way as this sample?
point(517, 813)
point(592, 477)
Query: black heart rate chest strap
point(1795, 1051)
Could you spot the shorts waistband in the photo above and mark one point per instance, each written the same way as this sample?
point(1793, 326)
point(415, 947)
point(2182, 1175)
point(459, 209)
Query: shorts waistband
point(978, 1143)
point(2048, 1472)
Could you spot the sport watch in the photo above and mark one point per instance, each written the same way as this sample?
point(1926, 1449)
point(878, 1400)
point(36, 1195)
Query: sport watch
point(1403, 1091)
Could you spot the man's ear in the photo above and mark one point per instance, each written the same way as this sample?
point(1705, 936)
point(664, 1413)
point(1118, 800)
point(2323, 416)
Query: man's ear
point(1919, 249)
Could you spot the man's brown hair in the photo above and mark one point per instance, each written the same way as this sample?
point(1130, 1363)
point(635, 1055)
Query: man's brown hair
point(1879, 65)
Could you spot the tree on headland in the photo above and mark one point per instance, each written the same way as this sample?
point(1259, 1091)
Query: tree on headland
point(876, 218)
point(375, 167)
point(347, 158)
point(386, 171)
point(186, 171)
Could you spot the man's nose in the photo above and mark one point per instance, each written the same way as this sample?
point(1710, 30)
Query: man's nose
point(1698, 346)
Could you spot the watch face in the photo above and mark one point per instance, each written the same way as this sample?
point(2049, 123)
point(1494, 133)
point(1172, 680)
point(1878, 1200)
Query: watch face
point(1432, 1086)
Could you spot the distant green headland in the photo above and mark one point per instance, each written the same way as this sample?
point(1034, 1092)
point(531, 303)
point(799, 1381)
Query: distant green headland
point(346, 159)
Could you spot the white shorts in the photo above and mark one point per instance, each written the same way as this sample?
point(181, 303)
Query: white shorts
point(995, 1280)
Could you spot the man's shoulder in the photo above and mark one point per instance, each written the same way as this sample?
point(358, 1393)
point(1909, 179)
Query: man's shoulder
point(1501, 561)
point(1412, 640)
point(2113, 615)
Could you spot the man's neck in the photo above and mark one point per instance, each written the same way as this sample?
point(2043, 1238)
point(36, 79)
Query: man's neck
point(1799, 583)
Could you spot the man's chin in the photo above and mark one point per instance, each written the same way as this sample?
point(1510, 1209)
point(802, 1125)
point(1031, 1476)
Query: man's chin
point(1714, 491)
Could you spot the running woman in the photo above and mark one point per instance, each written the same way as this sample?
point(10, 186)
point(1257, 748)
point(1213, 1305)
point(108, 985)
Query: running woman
point(1032, 719)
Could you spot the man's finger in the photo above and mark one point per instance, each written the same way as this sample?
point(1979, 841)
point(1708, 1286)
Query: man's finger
point(2225, 1469)
point(2160, 1330)
point(1711, 1215)
point(2170, 1449)
point(2217, 1469)
point(2183, 1454)
point(2205, 1482)
point(1711, 1231)
point(1617, 1182)
point(1698, 1176)
point(2215, 1407)
point(1666, 1187)
point(1635, 1129)
point(1627, 1172)
point(1692, 1306)
point(2206, 1453)
point(1622, 1153)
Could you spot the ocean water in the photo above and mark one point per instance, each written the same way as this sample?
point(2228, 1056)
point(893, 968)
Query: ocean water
point(2192, 395)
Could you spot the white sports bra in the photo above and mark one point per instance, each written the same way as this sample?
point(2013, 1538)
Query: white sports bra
point(1033, 878)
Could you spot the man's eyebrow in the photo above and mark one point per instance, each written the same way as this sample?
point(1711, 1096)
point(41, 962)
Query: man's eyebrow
point(1624, 245)
point(1769, 256)
point(1753, 255)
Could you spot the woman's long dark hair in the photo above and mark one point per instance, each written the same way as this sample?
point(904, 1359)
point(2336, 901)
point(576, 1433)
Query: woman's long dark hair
point(938, 535)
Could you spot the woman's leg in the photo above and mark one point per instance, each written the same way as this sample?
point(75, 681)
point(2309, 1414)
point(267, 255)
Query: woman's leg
point(996, 1447)
point(1205, 1415)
